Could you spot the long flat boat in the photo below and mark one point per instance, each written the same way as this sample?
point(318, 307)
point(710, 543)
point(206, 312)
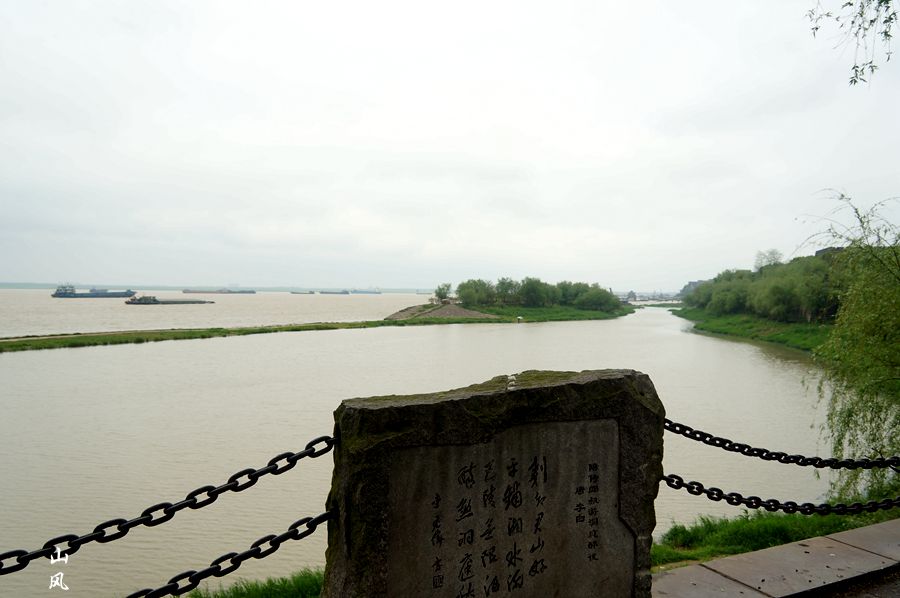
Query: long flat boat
point(67, 291)
point(151, 300)
point(344, 292)
point(222, 291)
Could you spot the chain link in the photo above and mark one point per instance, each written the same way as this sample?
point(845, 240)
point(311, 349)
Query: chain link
point(16, 560)
point(754, 502)
point(767, 455)
point(258, 550)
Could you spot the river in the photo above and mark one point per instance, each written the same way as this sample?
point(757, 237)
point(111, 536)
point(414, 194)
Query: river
point(97, 433)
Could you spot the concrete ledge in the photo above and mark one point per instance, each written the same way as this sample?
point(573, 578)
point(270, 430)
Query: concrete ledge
point(792, 569)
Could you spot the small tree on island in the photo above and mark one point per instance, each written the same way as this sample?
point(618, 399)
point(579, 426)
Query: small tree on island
point(443, 291)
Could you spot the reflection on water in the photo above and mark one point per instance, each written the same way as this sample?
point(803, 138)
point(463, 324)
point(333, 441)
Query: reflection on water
point(91, 434)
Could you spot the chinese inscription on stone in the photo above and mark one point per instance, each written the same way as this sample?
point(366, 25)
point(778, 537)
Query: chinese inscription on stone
point(532, 510)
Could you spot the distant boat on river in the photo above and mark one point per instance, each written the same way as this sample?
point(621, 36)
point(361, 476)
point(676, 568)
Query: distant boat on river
point(344, 292)
point(222, 291)
point(366, 291)
point(151, 300)
point(67, 291)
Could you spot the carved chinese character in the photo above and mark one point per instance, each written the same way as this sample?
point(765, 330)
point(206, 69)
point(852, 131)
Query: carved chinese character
point(488, 533)
point(537, 567)
point(488, 556)
point(512, 496)
point(512, 557)
point(539, 499)
point(437, 538)
point(464, 509)
point(537, 467)
point(515, 581)
point(437, 501)
point(512, 468)
point(437, 581)
point(514, 526)
point(466, 537)
point(537, 546)
point(487, 497)
point(466, 476)
point(537, 523)
point(491, 585)
point(466, 591)
point(437, 564)
point(465, 568)
point(489, 474)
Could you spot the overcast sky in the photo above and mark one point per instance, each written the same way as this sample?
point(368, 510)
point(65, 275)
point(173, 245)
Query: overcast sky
point(404, 144)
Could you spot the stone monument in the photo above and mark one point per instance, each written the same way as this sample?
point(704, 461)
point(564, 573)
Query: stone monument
point(535, 485)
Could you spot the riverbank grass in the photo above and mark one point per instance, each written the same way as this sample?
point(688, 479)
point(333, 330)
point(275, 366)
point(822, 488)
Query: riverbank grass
point(306, 583)
point(796, 335)
point(713, 537)
point(555, 313)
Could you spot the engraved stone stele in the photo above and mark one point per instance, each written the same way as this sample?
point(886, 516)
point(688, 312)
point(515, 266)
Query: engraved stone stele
point(535, 485)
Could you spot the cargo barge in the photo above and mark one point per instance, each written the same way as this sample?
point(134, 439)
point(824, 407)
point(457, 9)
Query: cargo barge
point(151, 300)
point(67, 291)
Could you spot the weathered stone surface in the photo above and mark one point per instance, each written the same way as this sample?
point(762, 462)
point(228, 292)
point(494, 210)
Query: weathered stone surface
point(696, 581)
point(805, 566)
point(538, 485)
point(882, 539)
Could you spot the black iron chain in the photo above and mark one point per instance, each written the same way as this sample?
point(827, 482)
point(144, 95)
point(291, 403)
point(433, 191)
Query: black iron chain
point(230, 562)
point(16, 560)
point(767, 455)
point(754, 502)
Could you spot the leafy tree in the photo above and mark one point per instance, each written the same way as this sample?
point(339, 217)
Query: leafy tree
point(570, 291)
point(598, 299)
point(802, 290)
point(442, 291)
point(767, 258)
point(507, 291)
point(534, 293)
point(867, 24)
point(861, 357)
point(476, 292)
